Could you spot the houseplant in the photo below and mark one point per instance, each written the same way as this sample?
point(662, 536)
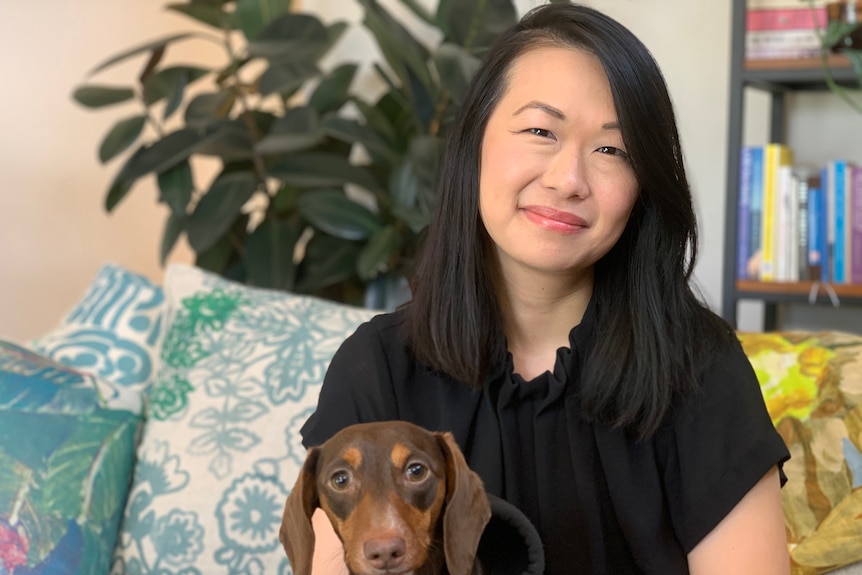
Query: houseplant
point(320, 189)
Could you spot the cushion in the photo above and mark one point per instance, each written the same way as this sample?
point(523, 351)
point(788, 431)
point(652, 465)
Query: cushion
point(113, 331)
point(67, 445)
point(812, 384)
point(240, 371)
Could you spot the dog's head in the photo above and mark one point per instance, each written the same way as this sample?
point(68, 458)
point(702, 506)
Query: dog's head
point(393, 492)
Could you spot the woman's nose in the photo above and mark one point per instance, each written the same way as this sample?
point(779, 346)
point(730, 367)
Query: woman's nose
point(565, 174)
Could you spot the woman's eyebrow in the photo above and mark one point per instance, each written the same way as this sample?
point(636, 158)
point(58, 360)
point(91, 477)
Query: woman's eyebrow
point(546, 108)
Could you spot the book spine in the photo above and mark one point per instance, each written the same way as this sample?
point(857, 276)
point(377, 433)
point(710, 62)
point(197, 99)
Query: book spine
point(829, 218)
point(802, 186)
point(743, 221)
point(856, 226)
point(785, 19)
point(838, 261)
point(816, 236)
point(775, 155)
point(755, 249)
point(761, 4)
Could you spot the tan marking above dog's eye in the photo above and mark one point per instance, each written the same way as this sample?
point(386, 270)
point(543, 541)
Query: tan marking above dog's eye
point(340, 480)
point(353, 457)
point(399, 454)
point(416, 472)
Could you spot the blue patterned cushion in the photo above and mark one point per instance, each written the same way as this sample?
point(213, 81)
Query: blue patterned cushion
point(113, 331)
point(240, 371)
point(67, 444)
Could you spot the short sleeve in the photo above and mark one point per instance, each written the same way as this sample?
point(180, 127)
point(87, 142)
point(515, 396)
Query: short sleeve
point(721, 443)
point(355, 388)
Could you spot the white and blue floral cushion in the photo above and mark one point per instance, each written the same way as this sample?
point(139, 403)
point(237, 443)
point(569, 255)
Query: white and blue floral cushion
point(240, 371)
point(112, 332)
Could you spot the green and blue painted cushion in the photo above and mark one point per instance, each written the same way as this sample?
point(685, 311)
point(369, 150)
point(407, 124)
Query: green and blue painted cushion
point(240, 371)
point(812, 384)
point(67, 445)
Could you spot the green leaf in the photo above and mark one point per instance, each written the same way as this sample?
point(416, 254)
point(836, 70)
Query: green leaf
point(112, 468)
point(219, 208)
point(169, 151)
point(174, 228)
point(352, 131)
point(333, 91)
point(328, 260)
point(299, 129)
point(291, 36)
point(377, 252)
point(176, 187)
point(148, 47)
point(209, 14)
point(203, 109)
point(217, 257)
point(286, 77)
point(398, 46)
point(123, 181)
point(122, 135)
point(320, 170)
point(475, 24)
point(378, 119)
point(456, 67)
point(337, 215)
point(39, 447)
point(170, 81)
point(269, 254)
point(254, 15)
point(99, 96)
point(415, 218)
point(229, 141)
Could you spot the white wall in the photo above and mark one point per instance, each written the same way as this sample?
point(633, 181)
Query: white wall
point(54, 232)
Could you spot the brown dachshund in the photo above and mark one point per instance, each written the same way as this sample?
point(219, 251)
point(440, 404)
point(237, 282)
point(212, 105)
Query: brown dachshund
point(401, 499)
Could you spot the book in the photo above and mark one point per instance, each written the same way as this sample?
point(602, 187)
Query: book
point(796, 43)
point(856, 225)
point(816, 232)
point(760, 4)
point(827, 204)
point(743, 220)
point(803, 184)
point(838, 180)
point(784, 224)
point(803, 18)
point(755, 217)
point(775, 156)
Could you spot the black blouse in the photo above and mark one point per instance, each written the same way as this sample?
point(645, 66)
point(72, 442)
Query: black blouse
point(601, 500)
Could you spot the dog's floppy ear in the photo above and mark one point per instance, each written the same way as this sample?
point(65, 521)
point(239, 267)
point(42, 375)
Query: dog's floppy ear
point(296, 533)
point(467, 509)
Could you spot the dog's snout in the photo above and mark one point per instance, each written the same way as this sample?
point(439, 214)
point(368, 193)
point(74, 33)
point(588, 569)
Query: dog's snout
point(385, 553)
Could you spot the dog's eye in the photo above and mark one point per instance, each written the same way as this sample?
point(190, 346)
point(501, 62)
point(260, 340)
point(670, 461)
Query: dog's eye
point(340, 480)
point(416, 472)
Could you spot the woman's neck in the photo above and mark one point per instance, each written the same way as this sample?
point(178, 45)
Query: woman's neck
point(539, 313)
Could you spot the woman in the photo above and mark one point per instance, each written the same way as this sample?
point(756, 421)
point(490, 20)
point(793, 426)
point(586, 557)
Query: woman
point(553, 329)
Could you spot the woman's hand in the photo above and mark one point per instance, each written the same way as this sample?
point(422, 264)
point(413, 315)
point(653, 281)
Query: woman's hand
point(328, 551)
point(750, 539)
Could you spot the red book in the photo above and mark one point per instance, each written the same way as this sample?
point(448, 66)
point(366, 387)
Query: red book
point(806, 18)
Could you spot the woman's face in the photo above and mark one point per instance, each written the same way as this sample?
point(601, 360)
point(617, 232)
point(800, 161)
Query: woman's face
point(555, 185)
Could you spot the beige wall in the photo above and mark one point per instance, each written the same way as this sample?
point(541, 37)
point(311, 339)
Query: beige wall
point(53, 230)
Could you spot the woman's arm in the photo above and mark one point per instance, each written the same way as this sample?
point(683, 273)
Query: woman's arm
point(328, 551)
point(750, 539)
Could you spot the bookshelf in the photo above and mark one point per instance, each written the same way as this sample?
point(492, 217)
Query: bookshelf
point(777, 78)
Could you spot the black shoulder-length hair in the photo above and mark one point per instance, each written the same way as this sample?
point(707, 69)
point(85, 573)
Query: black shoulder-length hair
point(654, 336)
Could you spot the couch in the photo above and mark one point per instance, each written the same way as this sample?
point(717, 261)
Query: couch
point(154, 429)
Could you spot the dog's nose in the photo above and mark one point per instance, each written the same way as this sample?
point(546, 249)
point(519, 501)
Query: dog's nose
point(385, 553)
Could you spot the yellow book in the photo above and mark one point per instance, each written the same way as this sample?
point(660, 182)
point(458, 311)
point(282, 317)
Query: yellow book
point(774, 155)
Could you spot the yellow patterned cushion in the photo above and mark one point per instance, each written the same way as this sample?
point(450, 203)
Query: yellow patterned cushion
point(812, 384)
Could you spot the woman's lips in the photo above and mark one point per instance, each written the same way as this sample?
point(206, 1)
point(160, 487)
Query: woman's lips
point(554, 220)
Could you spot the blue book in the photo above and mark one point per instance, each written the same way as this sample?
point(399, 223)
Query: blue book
point(816, 233)
point(839, 250)
point(826, 228)
point(755, 209)
point(743, 220)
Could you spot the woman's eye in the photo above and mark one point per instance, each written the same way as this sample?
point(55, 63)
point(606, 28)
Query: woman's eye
point(611, 150)
point(340, 480)
point(416, 472)
point(540, 132)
